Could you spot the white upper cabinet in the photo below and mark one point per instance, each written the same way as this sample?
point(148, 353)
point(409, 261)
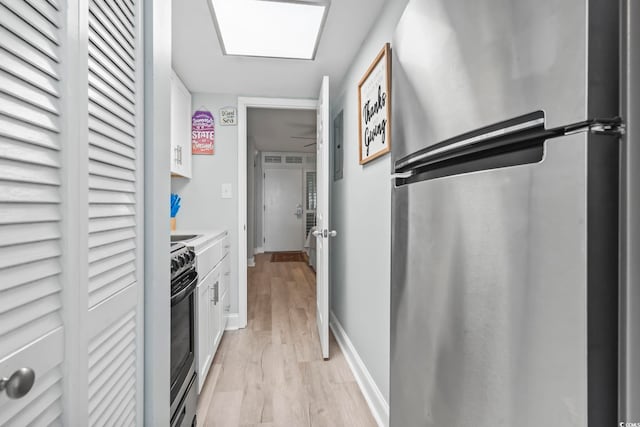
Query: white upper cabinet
point(180, 128)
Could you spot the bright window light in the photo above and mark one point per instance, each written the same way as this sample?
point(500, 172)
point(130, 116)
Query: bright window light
point(271, 28)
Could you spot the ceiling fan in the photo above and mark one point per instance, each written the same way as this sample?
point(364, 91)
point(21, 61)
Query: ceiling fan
point(305, 137)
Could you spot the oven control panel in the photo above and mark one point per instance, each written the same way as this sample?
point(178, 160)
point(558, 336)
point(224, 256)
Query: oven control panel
point(183, 259)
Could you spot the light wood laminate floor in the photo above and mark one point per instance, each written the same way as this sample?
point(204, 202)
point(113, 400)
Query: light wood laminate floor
point(272, 373)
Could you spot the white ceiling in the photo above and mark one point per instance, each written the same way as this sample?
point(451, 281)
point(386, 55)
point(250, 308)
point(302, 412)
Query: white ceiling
point(273, 129)
point(198, 59)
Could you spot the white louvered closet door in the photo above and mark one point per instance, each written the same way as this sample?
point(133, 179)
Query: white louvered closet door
point(115, 259)
point(32, 65)
point(70, 212)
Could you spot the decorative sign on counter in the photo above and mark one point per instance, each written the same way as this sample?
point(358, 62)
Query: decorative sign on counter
point(374, 108)
point(228, 116)
point(202, 132)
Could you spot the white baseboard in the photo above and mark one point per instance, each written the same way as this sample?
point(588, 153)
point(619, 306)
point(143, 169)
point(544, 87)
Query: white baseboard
point(376, 401)
point(259, 250)
point(233, 322)
point(251, 262)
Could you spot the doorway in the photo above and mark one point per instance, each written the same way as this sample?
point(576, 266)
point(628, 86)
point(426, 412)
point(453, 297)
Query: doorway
point(250, 170)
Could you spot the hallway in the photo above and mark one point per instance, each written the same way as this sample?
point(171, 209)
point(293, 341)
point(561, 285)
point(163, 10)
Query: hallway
point(272, 373)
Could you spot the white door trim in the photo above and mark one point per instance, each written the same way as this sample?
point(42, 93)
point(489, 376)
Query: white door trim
point(243, 104)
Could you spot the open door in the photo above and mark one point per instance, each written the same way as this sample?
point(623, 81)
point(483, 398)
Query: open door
point(322, 219)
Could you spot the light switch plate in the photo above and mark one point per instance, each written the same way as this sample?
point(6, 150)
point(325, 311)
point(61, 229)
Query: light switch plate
point(226, 191)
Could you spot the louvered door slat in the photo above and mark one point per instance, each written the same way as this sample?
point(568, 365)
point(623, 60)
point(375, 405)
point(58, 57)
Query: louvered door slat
point(103, 128)
point(11, 170)
point(114, 20)
point(20, 296)
point(110, 119)
point(29, 73)
point(124, 12)
point(103, 73)
point(108, 284)
point(108, 104)
point(103, 85)
point(111, 197)
point(111, 171)
point(23, 132)
point(13, 150)
point(48, 11)
point(16, 88)
point(17, 234)
point(105, 224)
point(22, 33)
point(21, 192)
point(17, 109)
point(103, 183)
point(103, 155)
point(101, 54)
point(110, 236)
point(23, 213)
point(22, 274)
point(104, 26)
point(29, 15)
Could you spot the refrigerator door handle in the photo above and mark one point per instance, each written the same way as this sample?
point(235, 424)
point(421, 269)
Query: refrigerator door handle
point(501, 139)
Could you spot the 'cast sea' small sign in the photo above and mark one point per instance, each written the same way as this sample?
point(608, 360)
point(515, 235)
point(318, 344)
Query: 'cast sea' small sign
point(228, 116)
point(202, 132)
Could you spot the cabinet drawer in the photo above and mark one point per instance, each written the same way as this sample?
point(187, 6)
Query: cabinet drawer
point(208, 258)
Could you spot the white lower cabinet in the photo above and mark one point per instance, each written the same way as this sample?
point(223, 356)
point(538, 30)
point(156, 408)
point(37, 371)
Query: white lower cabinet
point(214, 268)
point(209, 327)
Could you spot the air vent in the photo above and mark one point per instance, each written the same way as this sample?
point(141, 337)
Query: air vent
point(272, 159)
point(292, 159)
point(311, 221)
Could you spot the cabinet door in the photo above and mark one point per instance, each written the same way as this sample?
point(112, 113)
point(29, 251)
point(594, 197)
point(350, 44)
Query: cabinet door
point(180, 128)
point(203, 343)
point(176, 163)
point(214, 314)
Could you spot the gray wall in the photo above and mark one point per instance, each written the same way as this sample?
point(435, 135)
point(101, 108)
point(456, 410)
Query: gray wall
point(202, 204)
point(361, 213)
point(251, 197)
point(258, 200)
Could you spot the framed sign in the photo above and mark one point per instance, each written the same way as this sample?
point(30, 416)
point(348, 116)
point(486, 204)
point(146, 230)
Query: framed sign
point(374, 108)
point(228, 116)
point(202, 132)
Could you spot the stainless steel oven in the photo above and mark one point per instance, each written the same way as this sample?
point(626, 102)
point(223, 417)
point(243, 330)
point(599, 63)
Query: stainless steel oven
point(184, 278)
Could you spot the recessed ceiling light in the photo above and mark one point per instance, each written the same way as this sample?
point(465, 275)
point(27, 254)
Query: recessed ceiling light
point(270, 28)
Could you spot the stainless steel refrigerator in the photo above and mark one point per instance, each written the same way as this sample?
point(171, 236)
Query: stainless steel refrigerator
point(506, 144)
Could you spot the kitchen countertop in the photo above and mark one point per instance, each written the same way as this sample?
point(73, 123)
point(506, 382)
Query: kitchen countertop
point(204, 237)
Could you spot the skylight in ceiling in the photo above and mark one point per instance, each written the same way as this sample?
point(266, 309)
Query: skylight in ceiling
point(270, 28)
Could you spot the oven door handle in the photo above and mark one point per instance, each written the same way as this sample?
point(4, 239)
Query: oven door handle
point(185, 292)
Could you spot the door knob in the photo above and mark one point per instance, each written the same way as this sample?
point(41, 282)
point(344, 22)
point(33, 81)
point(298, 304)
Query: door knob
point(18, 384)
point(333, 233)
point(317, 233)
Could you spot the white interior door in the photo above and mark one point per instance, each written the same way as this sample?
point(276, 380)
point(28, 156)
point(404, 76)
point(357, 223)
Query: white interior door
point(323, 221)
point(284, 225)
point(32, 183)
point(70, 204)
